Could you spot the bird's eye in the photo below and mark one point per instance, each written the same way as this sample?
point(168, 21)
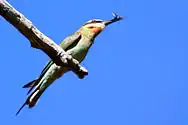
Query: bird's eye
point(91, 27)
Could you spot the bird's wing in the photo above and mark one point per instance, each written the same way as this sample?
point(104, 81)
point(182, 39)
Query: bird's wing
point(68, 43)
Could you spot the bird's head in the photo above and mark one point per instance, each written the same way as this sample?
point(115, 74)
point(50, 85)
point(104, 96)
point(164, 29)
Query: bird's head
point(93, 27)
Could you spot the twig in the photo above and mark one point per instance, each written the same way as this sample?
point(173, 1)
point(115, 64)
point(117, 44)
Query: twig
point(39, 40)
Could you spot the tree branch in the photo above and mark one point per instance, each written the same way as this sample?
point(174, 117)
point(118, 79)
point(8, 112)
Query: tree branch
point(38, 40)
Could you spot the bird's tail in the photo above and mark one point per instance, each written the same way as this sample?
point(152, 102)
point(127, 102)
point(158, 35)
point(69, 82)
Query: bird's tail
point(33, 97)
point(31, 85)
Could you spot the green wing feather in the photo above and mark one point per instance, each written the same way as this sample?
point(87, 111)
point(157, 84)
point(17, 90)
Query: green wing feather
point(68, 43)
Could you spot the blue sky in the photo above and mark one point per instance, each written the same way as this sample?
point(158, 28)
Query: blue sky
point(137, 67)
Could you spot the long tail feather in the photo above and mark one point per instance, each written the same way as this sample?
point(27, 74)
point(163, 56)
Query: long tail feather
point(32, 99)
point(21, 108)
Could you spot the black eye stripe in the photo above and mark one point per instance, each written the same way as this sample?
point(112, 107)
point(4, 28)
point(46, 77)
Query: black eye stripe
point(92, 21)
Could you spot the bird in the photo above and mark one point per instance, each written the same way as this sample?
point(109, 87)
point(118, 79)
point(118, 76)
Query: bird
point(76, 45)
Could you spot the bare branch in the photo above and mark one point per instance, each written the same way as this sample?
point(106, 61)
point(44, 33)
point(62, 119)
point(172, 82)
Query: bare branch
point(39, 40)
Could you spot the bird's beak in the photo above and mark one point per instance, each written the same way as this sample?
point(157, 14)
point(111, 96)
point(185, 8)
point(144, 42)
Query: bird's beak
point(115, 19)
point(107, 22)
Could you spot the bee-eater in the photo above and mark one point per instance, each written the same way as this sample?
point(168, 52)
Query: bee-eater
point(77, 45)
